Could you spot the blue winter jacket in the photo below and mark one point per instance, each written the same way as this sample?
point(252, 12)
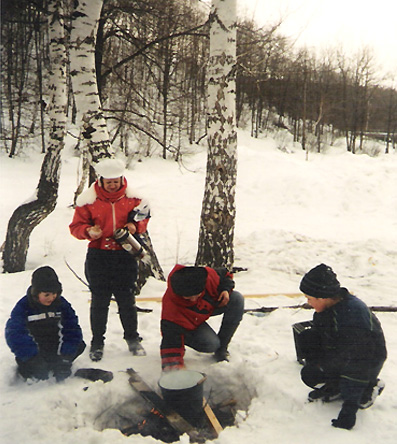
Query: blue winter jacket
point(34, 328)
point(352, 339)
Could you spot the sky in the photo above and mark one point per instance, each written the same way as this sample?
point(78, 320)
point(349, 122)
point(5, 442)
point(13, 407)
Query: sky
point(350, 24)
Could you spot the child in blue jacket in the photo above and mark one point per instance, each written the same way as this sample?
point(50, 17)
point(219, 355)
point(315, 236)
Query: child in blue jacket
point(43, 330)
point(345, 348)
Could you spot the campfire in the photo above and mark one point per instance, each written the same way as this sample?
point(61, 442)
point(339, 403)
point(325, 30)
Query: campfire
point(154, 424)
point(139, 415)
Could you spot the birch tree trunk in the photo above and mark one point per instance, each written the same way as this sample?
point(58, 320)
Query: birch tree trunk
point(90, 117)
point(26, 217)
point(218, 212)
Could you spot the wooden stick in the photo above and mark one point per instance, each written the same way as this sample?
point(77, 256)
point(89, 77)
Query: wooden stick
point(268, 295)
point(377, 308)
point(75, 274)
point(212, 418)
point(175, 420)
point(246, 296)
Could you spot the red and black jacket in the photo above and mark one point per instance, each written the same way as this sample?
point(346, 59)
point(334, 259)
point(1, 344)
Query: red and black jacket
point(180, 315)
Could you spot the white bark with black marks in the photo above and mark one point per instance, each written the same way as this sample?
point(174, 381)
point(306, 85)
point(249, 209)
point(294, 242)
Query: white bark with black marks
point(90, 117)
point(26, 217)
point(218, 210)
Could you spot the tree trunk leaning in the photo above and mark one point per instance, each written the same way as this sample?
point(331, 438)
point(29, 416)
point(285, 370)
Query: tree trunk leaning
point(26, 217)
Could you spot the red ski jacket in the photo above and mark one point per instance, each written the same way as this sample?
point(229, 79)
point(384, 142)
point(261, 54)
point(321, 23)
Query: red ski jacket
point(179, 314)
point(107, 210)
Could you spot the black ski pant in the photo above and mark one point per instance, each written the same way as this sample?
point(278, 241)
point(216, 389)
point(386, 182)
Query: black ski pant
point(318, 369)
point(111, 273)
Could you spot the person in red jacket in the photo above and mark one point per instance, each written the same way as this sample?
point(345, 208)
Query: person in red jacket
point(193, 295)
point(106, 206)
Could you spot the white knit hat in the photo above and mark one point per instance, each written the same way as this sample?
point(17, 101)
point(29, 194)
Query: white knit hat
point(110, 168)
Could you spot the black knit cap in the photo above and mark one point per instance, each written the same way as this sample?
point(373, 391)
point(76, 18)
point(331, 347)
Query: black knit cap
point(44, 279)
point(320, 282)
point(189, 281)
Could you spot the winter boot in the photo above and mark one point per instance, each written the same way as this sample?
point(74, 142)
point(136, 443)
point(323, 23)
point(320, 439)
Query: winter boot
point(221, 355)
point(327, 393)
point(370, 394)
point(135, 347)
point(96, 352)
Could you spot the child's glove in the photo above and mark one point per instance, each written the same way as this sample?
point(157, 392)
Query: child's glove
point(37, 367)
point(347, 416)
point(62, 368)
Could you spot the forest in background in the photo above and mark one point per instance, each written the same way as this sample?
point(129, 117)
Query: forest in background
point(151, 67)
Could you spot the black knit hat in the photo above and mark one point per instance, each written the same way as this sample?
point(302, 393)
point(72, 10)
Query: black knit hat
point(44, 279)
point(189, 281)
point(320, 282)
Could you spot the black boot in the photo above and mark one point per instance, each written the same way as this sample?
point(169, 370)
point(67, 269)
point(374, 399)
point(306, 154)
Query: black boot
point(371, 393)
point(135, 347)
point(327, 393)
point(96, 351)
point(221, 355)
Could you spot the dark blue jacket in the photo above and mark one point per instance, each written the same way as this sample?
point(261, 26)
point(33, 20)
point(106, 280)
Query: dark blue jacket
point(351, 339)
point(34, 328)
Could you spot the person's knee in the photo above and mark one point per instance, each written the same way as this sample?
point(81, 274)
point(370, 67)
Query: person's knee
point(211, 345)
point(203, 339)
point(312, 375)
point(80, 350)
point(236, 305)
point(100, 300)
point(125, 299)
point(237, 299)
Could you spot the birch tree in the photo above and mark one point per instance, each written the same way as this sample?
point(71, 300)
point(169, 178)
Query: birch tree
point(26, 217)
point(218, 212)
point(90, 117)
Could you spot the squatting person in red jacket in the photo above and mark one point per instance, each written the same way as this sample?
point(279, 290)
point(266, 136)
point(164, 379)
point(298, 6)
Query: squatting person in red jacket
point(109, 204)
point(193, 295)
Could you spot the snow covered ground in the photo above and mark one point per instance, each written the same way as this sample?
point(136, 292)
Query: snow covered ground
point(293, 214)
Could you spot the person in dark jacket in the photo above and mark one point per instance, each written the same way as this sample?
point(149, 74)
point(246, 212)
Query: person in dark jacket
point(193, 295)
point(108, 205)
point(345, 348)
point(43, 330)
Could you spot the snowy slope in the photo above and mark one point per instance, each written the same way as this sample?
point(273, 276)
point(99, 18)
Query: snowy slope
point(292, 214)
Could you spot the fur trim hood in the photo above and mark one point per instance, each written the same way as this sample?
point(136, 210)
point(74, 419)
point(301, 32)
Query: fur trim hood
point(89, 196)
